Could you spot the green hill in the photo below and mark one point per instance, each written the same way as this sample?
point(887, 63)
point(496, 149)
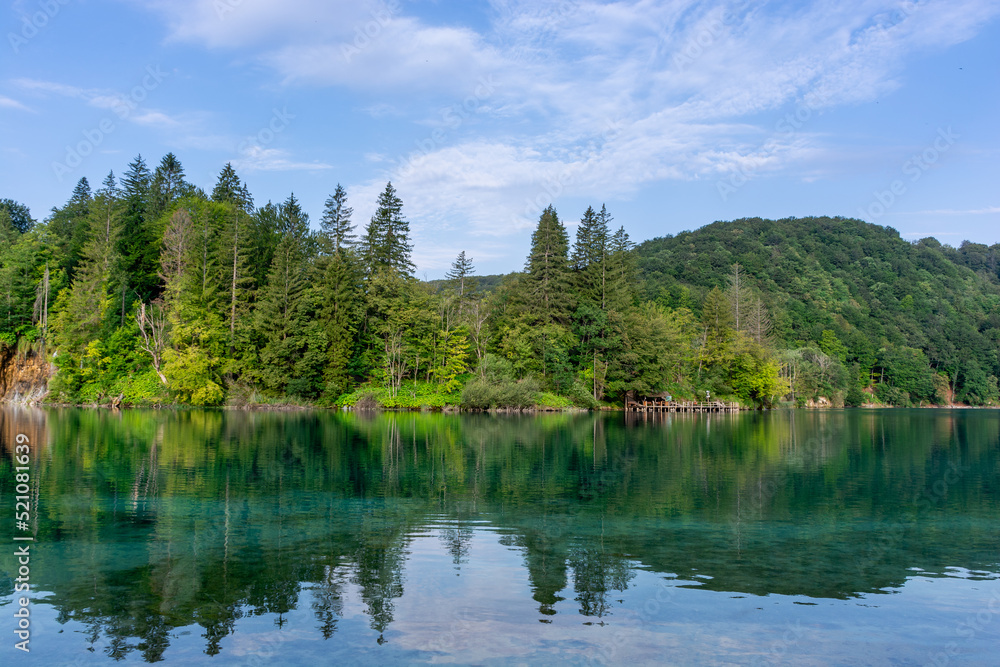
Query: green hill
point(919, 318)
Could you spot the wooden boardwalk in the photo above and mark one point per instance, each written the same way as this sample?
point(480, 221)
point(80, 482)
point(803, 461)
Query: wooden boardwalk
point(660, 406)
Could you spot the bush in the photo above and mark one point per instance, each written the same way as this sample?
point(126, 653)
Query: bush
point(549, 400)
point(367, 401)
point(890, 395)
point(481, 394)
point(581, 396)
point(855, 397)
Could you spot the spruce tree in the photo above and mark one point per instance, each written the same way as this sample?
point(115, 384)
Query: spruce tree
point(547, 267)
point(337, 230)
point(70, 226)
point(284, 317)
point(137, 250)
point(461, 278)
point(590, 257)
point(229, 189)
point(621, 273)
point(386, 245)
point(167, 185)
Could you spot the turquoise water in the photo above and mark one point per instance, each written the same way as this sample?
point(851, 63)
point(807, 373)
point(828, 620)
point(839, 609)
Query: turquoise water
point(235, 538)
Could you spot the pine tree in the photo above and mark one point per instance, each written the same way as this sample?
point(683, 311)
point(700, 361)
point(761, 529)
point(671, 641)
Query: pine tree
point(547, 266)
point(284, 312)
point(167, 185)
point(233, 249)
point(590, 257)
point(621, 273)
point(69, 224)
point(80, 311)
point(229, 189)
point(461, 277)
point(264, 239)
point(337, 230)
point(137, 251)
point(338, 299)
point(386, 243)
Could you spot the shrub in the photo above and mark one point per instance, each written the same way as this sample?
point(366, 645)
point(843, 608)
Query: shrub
point(890, 395)
point(581, 396)
point(481, 394)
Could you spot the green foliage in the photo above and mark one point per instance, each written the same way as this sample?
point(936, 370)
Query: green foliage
point(256, 305)
point(411, 396)
point(864, 295)
point(480, 394)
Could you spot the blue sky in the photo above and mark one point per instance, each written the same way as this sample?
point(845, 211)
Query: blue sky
point(673, 114)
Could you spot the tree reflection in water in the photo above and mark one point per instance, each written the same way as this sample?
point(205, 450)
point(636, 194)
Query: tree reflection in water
point(159, 520)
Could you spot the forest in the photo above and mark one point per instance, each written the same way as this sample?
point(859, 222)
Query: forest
point(150, 291)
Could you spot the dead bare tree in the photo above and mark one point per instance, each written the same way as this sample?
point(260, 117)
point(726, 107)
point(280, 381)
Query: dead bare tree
point(153, 326)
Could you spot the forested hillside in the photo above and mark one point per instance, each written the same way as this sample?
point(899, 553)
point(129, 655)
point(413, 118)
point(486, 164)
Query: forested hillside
point(152, 291)
point(852, 304)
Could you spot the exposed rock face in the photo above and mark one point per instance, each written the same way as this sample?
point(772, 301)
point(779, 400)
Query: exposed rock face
point(24, 378)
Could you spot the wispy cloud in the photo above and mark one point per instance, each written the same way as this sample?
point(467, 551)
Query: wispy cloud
point(589, 96)
point(256, 158)
point(10, 103)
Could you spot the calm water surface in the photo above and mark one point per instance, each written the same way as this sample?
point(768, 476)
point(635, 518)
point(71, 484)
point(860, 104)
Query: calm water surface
point(231, 538)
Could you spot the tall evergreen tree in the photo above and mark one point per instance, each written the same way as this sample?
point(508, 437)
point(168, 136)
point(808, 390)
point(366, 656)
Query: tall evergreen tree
point(547, 266)
point(69, 224)
point(81, 310)
point(229, 188)
point(621, 274)
point(590, 257)
point(137, 248)
point(336, 227)
point(386, 242)
point(460, 275)
point(264, 239)
point(338, 300)
point(167, 185)
point(293, 354)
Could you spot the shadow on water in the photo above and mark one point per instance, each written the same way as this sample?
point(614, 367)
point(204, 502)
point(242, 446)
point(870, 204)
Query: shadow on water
point(156, 520)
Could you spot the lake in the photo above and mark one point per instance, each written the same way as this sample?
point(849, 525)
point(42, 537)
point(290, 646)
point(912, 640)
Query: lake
point(306, 538)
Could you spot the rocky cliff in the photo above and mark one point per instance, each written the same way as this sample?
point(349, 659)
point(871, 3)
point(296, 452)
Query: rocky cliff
point(24, 377)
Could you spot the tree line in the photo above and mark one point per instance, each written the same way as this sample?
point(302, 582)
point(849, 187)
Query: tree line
point(151, 291)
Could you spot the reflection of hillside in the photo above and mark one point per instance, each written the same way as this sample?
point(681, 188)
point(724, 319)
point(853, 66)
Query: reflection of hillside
point(158, 520)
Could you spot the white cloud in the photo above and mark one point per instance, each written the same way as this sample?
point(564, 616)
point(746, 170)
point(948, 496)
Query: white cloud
point(589, 96)
point(257, 158)
point(10, 103)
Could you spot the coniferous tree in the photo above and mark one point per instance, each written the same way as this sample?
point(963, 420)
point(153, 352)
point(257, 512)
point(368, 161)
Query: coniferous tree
point(337, 291)
point(229, 188)
point(167, 185)
point(547, 268)
point(294, 349)
point(69, 224)
point(134, 276)
point(590, 256)
point(461, 276)
point(234, 251)
point(386, 245)
point(81, 310)
point(337, 230)
point(264, 239)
